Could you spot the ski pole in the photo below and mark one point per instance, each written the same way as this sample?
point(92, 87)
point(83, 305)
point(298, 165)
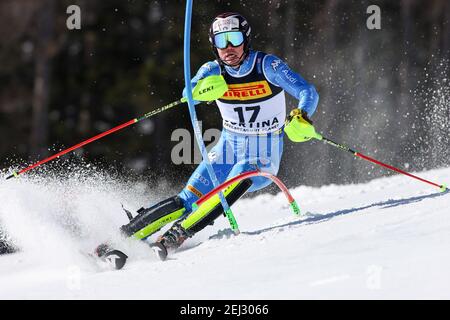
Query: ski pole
point(306, 130)
point(207, 89)
point(442, 187)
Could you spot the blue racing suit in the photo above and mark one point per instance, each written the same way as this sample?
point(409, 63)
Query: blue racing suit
point(253, 112)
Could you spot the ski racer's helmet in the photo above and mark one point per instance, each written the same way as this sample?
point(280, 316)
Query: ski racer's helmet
point(230, 27)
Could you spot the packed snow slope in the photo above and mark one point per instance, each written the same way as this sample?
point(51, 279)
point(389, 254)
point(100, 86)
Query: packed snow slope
point(386, 239)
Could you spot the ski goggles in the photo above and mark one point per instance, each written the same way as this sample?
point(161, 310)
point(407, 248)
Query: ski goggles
point(221, 40)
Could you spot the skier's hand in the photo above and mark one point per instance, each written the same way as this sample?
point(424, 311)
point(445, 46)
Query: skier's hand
point(298, 126)
point(305, 116)
point(185, 96)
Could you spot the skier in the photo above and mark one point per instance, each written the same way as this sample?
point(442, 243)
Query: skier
point(253, 111)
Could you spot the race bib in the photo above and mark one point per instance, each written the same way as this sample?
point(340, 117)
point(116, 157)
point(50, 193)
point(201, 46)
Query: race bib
point(253, 118)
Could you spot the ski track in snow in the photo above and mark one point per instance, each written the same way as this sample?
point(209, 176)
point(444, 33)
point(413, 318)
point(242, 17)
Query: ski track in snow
point(385, 239)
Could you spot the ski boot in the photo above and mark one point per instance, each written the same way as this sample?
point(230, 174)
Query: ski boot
point(171, 240)
point(204, 216)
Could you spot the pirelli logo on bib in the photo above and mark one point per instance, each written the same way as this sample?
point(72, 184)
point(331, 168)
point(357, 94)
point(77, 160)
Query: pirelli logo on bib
point(247, 91)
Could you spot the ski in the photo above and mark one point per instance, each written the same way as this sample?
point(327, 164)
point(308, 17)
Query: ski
point(160, 250)
point(114, 258)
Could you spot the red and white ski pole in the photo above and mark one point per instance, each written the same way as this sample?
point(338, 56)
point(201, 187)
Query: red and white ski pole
point(207, 89)
point(306, 130)
point(442, 187)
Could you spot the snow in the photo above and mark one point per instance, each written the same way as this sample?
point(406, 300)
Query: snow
point(386, 239)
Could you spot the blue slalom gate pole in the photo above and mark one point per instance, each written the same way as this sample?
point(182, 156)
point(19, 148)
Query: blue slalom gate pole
point(193, 114)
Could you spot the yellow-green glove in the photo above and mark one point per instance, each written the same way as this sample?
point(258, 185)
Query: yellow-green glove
point(299, 128)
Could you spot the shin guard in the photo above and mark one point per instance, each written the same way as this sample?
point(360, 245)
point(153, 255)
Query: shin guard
point(152, 219)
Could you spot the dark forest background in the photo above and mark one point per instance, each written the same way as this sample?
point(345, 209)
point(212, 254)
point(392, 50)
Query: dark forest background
point(384, 92)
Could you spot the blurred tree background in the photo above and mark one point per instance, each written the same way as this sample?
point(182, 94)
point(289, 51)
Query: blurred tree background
point(384, 92)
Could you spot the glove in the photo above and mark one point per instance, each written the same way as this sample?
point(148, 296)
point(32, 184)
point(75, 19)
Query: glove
point(184, 95)
point(298, 127)
point(305, 116)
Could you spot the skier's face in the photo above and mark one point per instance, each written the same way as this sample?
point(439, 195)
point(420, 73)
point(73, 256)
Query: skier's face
point(232, 55)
